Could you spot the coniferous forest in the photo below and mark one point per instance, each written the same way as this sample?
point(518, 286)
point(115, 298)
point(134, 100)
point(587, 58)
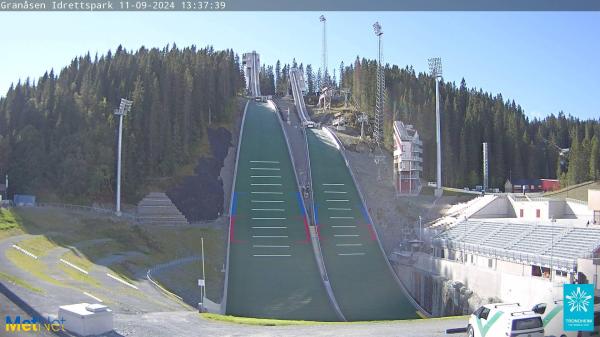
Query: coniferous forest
point(58, 134)
point(519, 147)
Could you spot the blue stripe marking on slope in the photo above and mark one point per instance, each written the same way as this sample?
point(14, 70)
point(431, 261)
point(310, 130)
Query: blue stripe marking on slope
point(364, 213)
point(300, 204)
point(234, 204)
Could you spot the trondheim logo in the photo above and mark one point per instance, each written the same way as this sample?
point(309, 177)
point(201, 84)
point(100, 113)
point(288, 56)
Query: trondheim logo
point(578, 300)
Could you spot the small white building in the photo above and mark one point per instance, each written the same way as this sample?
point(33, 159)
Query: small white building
point(408, 159)
point(86, 319)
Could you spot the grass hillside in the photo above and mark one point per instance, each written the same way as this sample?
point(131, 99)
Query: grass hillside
point(579, 192)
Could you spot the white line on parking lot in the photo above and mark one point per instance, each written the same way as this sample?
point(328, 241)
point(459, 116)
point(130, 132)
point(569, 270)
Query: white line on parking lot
point(336, 192)
point(92, 296)
point(265, 176)
point(73, 266)
point(269, 218)
point(265, 161)
point(266, 200)
point(271, 255)
point(341, 217)
point(269, 209)
point(269, 236)
point(266, 192)
point(122, 281)
point(269, 227)
point(265, 184)
point(348, 244)
point(333, 184)
point(343, 226)
point(345, 235)
point(266, 168)
point(339, 209)
point(350, 254)
point(270, 246)
point(337, 200)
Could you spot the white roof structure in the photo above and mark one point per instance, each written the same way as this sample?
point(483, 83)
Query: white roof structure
point(545, 244)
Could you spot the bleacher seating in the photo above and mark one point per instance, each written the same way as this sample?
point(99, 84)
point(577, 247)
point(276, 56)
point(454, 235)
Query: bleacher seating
point(510, 239)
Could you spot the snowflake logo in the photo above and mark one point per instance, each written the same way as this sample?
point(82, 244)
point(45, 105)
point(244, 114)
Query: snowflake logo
point(579, 300)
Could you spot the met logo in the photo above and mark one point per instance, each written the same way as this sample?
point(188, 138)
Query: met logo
point(35, 324)
point(578, 302)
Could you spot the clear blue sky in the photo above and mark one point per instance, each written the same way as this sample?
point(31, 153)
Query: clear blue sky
point(546, 62)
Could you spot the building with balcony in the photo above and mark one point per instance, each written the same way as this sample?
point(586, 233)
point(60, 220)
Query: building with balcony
point(408, 159)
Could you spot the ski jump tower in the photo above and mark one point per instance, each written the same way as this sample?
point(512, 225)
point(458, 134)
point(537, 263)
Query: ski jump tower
point(251, 63)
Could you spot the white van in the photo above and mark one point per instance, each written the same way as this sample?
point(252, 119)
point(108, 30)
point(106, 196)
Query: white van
point(552, 317)
point(505, 319)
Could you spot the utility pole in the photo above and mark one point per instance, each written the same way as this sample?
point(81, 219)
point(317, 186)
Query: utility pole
point(123, 109)
point(435, 66)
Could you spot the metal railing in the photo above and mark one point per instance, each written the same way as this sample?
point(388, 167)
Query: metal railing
point(95, 209)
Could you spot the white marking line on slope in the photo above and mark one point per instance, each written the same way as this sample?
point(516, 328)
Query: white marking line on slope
point(73, 266)
point(345, 235)
point(266, 168)
point(350, 254)
point(92, 296)
point(269, 209)
point(269, 218)
point(341, 217)
point(332, 184)
point(265, 176)
point(336, 192)
point(272, 255)
point(348, 244)
point(266, 192)
point(265, 161)
point(337, 200)
point(121, 280)
point(343, 226)
point(339, 209)
point(24, 251)
point(265, 184)
point(269, 227)
point(270, 246)
point(269, 236)
point(266, 200)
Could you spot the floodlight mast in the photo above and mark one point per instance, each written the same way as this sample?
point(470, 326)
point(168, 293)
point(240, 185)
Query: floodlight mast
point(123, 109)
point(378, 126)
point(324, 48)
point(435, 67)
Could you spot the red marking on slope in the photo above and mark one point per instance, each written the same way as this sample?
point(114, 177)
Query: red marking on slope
point(372, 232)
point(306, 230)
point(232, 230)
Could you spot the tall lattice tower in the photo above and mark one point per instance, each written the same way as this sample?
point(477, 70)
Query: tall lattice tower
point(324, 50)
point(380, 99)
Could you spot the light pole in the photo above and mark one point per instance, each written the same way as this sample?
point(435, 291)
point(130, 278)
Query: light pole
point(123, 109)
point(420, 229)
point(202, 281)
point(378, 127)
point(435, 67)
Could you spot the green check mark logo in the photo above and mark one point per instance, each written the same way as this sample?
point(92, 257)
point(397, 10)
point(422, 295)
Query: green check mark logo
point(485, 328)
point(552, 314)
